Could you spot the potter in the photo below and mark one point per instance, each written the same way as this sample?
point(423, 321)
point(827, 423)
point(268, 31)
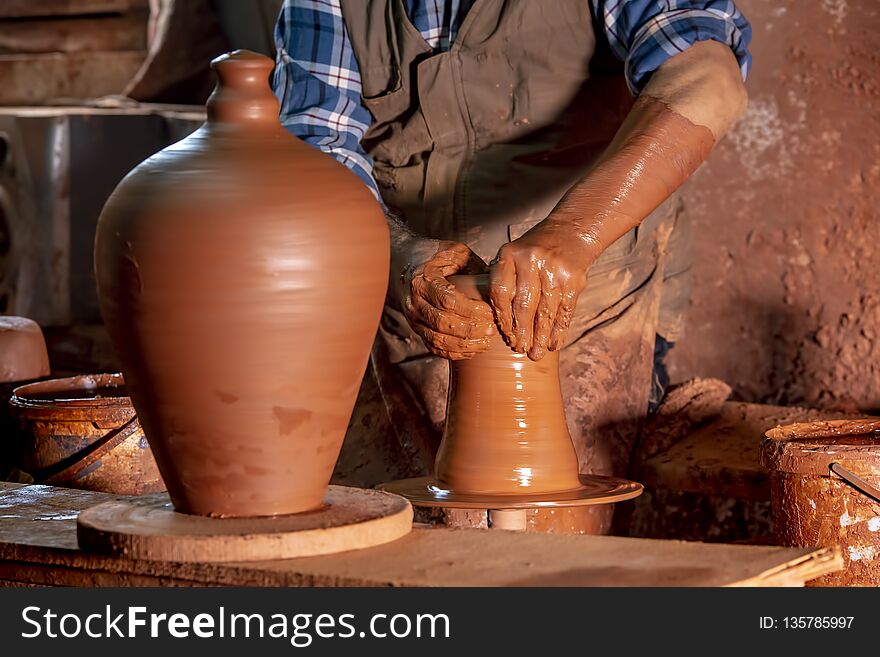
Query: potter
point(503, 138)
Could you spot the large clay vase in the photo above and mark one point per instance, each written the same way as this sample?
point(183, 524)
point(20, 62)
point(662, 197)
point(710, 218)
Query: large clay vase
point(241, 275)
point(505, 421)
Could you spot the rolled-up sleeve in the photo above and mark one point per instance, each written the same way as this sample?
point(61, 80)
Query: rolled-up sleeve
point(318, 83)
point(645, 33)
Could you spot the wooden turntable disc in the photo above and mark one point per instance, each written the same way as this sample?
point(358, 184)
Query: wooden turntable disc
point(148, 527)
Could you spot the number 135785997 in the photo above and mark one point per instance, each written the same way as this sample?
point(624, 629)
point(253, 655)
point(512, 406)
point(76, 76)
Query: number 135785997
point(806, 622)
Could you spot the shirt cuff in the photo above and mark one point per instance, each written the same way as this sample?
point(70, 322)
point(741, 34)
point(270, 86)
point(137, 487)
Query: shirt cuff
point(670, 33)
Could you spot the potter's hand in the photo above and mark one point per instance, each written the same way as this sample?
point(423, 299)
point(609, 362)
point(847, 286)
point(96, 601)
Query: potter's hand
point(534, 285)
point(450, 324)
point(689, 103)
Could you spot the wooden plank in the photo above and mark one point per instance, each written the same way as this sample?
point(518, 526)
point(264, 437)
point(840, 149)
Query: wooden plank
point(35, 79)
point(33, 8)
point(723, 457)
point(38, 545)
point(80, 34)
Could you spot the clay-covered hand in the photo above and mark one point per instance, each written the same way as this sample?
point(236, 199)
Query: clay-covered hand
point(451, 324)
point(689, 103)
point(534, 286)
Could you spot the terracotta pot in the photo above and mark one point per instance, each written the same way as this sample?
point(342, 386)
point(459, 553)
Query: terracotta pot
point(505, 421)
point(241, 274)
point(815, 507)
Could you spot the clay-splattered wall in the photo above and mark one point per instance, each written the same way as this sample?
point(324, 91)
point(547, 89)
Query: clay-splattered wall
point(786, 306)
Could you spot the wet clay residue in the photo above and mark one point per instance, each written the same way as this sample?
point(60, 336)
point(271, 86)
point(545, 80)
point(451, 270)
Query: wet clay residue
point(241, 275)
point(101, 393)
point(810, 447)
point(77, 391)
point(78, 395)
point(654, 152)
point(23, 353)
point(505, 427)
point(824, 429)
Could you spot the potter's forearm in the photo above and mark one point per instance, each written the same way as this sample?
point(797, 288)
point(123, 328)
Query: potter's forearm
point(400, 233)
point(408, 250)
point(685, 109)
point(657, 149)
point(402, 239)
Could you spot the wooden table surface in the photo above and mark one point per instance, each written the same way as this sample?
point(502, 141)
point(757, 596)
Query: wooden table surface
point(38, 547)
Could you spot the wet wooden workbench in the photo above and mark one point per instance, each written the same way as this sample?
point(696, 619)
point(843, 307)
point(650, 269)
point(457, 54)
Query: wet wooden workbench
point(711, 476)
point(38, 547)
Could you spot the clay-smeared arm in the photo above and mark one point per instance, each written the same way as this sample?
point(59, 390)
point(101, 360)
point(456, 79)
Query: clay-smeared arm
point(451, 324)
point(684, 110)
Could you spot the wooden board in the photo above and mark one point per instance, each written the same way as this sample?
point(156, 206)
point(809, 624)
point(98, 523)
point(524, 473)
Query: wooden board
point(38, 546)
point(35, 79)
point(147, 527)
point(32, 8)
point(81, 34)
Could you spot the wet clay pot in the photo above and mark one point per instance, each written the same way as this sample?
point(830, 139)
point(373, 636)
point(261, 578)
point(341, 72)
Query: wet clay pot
point(241, 275)
point(815, 507)
point(505, 421)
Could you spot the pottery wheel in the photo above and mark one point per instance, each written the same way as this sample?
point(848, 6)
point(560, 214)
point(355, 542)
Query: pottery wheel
point(148, 527)
point(594, 489)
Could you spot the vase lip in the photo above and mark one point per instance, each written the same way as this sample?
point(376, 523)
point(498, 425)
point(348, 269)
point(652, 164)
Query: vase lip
point(243, 57)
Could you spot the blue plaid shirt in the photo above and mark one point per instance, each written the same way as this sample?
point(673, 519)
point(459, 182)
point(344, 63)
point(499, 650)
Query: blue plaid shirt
point(319, 86)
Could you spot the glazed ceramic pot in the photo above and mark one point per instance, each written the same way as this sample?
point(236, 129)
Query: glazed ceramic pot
point(81, 432)
point(241, 275)
point(505, 421)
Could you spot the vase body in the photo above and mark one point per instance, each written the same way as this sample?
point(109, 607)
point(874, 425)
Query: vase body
point(241, 275)
point(505, 421)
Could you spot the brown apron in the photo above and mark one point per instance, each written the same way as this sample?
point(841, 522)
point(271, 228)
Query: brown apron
point(478, 144)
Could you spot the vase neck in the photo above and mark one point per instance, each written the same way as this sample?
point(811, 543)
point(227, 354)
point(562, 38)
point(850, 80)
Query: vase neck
point(243, 93)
